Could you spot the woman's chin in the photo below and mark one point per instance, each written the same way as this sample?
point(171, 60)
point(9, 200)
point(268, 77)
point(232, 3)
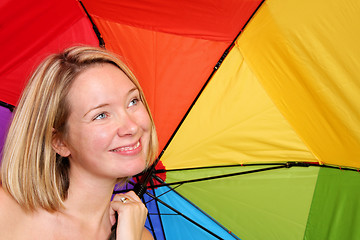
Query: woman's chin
point(133, 169)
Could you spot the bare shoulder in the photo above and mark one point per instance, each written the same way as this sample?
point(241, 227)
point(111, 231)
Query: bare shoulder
point(146, 235)
point(10, 211)
point(7, 203)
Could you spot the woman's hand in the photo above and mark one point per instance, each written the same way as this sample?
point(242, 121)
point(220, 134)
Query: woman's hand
point(131, 216)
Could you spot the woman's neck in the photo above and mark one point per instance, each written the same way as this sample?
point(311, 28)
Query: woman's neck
point(88, 200)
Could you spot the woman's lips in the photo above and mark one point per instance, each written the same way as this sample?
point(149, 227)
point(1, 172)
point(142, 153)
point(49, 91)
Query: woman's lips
point(131, 149)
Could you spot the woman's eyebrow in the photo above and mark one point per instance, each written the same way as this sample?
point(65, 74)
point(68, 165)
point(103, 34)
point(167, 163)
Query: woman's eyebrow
point(133, 90)
point(97, 107)
point(106, 104)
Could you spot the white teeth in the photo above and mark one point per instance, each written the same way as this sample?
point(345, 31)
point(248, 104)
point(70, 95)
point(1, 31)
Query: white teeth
point(122, 149)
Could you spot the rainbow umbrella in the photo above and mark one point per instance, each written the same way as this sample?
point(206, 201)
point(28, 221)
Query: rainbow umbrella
point(255, 105)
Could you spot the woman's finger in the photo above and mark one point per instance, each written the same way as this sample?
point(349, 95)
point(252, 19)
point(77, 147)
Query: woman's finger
point(127, 205)
point(132, 215)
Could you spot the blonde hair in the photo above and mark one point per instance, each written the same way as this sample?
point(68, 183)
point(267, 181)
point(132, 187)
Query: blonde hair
point(31, 170)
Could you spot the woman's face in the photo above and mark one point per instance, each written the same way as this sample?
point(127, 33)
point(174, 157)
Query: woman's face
point(108, 130)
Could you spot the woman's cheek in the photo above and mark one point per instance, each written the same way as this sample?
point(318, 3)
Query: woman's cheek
point(144, 120)
point(101, 137)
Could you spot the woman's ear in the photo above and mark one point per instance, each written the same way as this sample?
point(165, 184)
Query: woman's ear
point(59, 145)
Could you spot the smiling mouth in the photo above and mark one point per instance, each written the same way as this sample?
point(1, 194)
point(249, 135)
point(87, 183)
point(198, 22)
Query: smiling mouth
point(127, 148)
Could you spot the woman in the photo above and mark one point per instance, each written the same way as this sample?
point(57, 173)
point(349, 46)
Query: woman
point(82, 125)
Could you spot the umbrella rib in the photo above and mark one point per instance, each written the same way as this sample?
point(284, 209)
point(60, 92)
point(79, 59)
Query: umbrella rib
point(216, 177)
point(183, 215)
point(8, 106)
point(229, 166)
point(289, 164)
point(172, 189)
point(95, 28)
point(158, 210)
point(150, 221)
point(165, 214)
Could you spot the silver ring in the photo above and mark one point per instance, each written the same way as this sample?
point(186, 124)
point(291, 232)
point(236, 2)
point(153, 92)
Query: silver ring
point(124, 199)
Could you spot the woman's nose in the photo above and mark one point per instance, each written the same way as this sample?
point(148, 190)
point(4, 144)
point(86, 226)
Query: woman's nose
point(127, 125)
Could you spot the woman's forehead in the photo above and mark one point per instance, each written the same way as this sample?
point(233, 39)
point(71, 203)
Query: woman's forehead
point(100, 84)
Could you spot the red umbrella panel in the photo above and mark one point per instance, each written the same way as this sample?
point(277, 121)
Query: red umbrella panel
point(31, 30)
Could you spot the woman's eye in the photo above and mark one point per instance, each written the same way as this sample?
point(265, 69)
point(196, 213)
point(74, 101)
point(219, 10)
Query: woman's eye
point(133, 102)
point(100, 116)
